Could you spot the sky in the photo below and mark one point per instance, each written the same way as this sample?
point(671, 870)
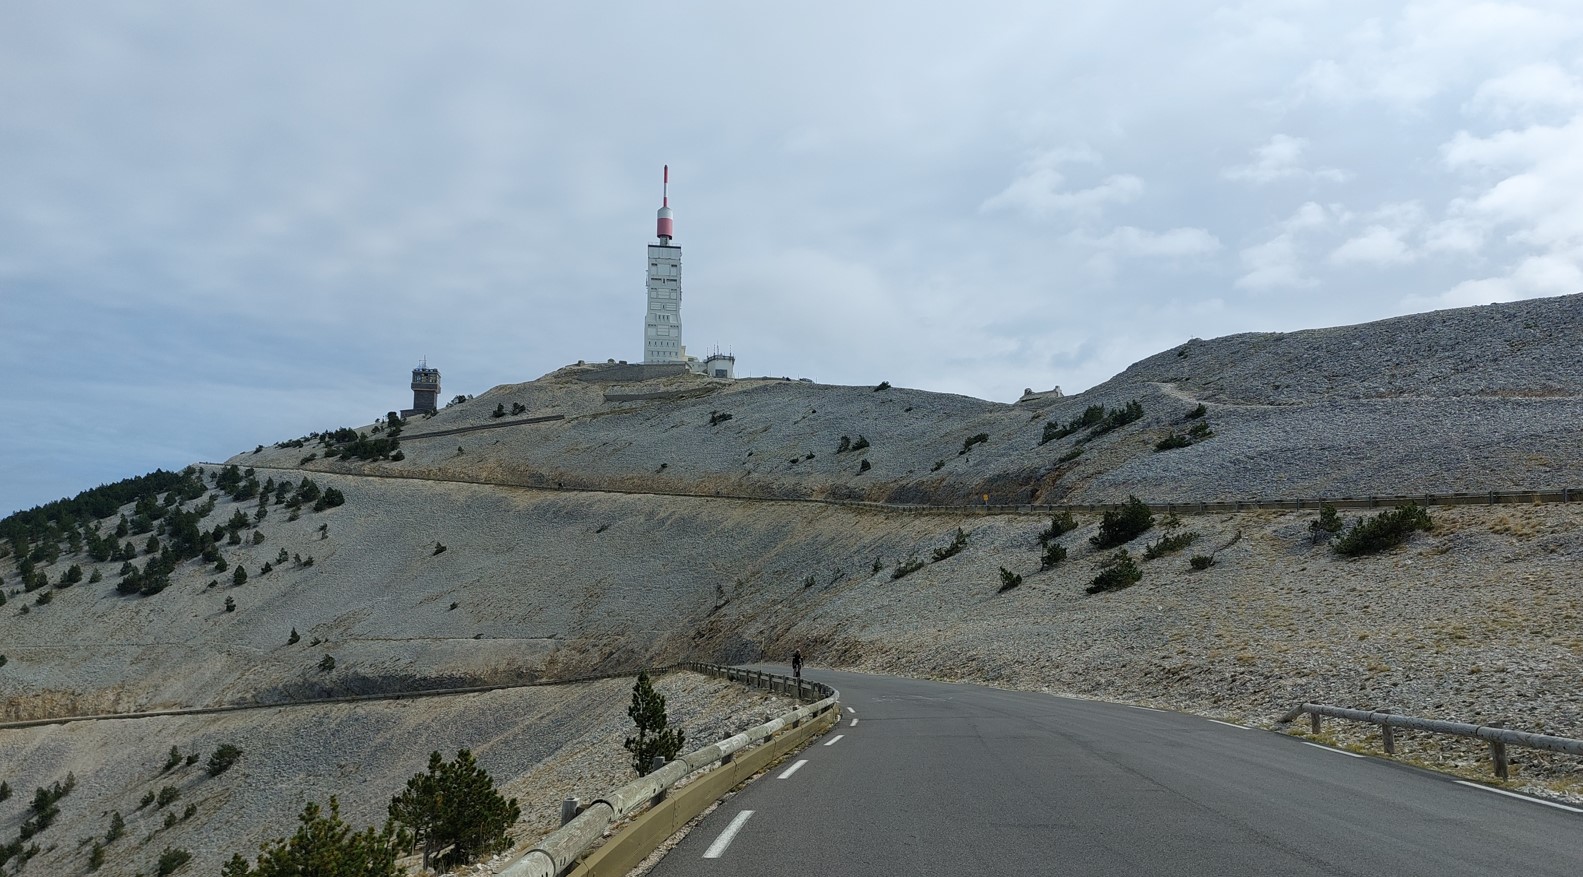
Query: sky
point(230, 224)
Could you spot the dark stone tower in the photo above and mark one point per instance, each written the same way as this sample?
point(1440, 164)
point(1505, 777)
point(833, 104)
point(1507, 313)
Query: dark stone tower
point(425, 390)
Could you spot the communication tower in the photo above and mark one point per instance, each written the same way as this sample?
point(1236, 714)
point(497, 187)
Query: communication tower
point(425, 390)
point(662, 327)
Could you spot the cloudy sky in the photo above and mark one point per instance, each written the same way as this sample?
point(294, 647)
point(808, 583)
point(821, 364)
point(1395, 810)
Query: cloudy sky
point(222, 225)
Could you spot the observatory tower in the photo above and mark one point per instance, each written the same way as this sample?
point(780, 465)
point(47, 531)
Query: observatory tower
point(662, 327)
point(425, 390)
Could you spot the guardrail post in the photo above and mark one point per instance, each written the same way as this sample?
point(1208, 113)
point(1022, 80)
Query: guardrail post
point(569, 808)
point(1387, 732)
point(1313, 720)
point(1498, 755)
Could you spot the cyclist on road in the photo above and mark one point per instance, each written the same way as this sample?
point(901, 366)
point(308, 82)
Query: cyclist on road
point(797, 663)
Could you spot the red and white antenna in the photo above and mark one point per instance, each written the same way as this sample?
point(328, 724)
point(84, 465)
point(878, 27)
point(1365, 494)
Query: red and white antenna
point(664, 225)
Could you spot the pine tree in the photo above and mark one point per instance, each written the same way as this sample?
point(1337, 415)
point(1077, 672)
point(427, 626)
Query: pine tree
point(325, 846)
point(455, 805)
point(654, 738)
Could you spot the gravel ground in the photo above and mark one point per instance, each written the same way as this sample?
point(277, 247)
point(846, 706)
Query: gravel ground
point(539, 744)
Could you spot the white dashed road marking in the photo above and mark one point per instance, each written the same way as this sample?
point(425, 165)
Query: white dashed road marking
point(854, 723)
point(791, 770)
point(1331, 749)
point(850, 710)
point(835, 740)
point(1149, 708)
point(1520, 797)
point(717, 848)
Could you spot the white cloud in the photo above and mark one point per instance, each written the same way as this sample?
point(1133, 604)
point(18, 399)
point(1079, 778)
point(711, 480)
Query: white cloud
point(1433, 46)
point(1526, 91)
point(1175, 243)
point(1377, 245)
point(1280, 159)
point(1273, 264)
point(1038, 191)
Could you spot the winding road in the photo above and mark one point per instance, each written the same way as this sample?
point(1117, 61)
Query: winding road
point(926, 778)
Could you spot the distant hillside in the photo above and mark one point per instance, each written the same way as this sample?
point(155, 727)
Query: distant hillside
point(539, 544)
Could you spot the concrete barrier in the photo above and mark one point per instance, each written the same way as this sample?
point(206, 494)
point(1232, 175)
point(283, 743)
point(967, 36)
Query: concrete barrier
point(556, 854)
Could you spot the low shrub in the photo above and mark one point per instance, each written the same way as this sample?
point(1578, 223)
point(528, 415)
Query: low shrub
point(1169, 544)
point(1172, 442)
point(1384, 530)
point(1008, 580)
point(860, 444)
point(1201, 561)
point(883, 385)
point(864, 466)
point(1069, 456)
point(222, 759)
point(968, 443)
point(1196, 413)
point(1117, 572)
point(167, 795)
point(718, 417)
point(1123, 525)
point(1054, 553)
point(171, 860)
point(958, 542)
point(1060, 525)
point(906, 568)
point(326, 664)
point(1326, 525)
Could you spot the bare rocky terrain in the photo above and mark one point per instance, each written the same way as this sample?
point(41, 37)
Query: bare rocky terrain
point(645, 527)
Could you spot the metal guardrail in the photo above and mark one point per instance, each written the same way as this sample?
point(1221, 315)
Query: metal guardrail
point(560, 850)
point(1498, 738)
point(541, 481)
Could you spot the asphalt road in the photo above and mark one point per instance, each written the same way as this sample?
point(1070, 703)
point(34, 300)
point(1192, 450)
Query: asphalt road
point(939, 778)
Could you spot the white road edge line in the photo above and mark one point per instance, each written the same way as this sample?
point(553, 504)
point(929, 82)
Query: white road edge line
point(835, 740)
point(1230, 725)
point(1331, 749)
point(1149, 708)
point(718, 848)
point(791, 770)
point(1528, 798)
point(854, 723)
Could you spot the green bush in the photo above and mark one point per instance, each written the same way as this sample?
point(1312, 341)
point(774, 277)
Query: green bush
point(1168, 544)
point(117, 828)
point(1054, 553)
point(718, 417)
point(5, 790)
point(223, 758)
point(958, 542)
point(96, 856)
point(1117, 572)
point(1326, 525)
point(455, 807)
point(326, 664)
point(1172, 442)
point(906, 568)
point(148, 798)
point(325, 846)
point(438, 549)
point(864, 466)
point(167, 795)
point(968, 443)
point(1069, 456)
point(1123, 525)
point(1008, 580)
point(230, 604)
point(860, 444)
point(294, 638)
point(239, 576)
point(1384, 530)
point(883, 385)
point(1060, 524)
point(171, 760)
point(654, 738)
point(172, 859)
point(1116, 418)
point(500, 411)
point(1198, 412)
